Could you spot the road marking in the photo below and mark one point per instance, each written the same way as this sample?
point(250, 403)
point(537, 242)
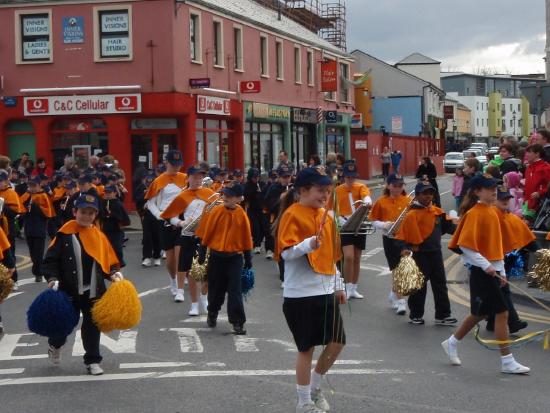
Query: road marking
point(187, 373)
point(11, 371)
point(381, 269)
point(10, 342)
point(356, 362)
point(14, 294)
point(154, 290)
point(190, 341)
point(371, 253)
point(125, 344)
point(165, 364)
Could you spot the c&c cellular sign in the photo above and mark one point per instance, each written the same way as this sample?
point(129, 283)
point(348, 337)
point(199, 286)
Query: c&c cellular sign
point(81, 105)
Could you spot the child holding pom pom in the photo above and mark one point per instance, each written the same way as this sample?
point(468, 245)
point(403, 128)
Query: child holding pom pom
point(78, 260)
point(8, 260)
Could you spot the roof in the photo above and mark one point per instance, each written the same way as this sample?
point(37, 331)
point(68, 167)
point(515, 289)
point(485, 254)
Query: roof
point(417, 59)
point(392, 67)
point(530, 78)
point(463, 107)
point(259, 15)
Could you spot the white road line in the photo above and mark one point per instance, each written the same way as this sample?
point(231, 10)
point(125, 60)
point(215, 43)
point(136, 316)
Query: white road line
point(356, 362)
point(14, 294)
point(372, 252)
point(11, 371)
point(188, 373)
point(381, 269)
point(445, 193)
point(165, 364)
point(154, 290)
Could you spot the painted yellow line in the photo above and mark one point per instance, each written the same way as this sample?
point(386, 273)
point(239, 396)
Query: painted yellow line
point(453, 266)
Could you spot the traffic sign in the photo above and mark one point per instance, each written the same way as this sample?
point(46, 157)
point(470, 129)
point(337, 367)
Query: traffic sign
point(250, 86)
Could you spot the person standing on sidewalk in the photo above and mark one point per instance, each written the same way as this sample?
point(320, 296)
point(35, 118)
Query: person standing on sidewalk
point(396, 157)
point(458, 182)
point(479, 240)
point(385, 158)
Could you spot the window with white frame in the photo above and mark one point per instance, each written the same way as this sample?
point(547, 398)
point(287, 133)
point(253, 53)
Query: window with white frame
point(34, 37)
point(195, 45)
point(344, 86)
point(279, 67)
point(264, 56)
point(310, 66)
point(297, 64)
point(218, 43)
point(114, 34)
point(238, 47)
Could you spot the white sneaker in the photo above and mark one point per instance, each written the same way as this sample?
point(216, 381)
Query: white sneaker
point(257, 250)
point(146, 262)
point(15, 286)
point(283, 285)
point(514, 368)
point(179, 297)
point(451, 352)
point(392, 298)
point(157, 262)
point(194, 310)
point(355, 294)
point(185, 281)
point(94, 369)
point(401, 307)
point(318, 398)
point(269, 255)
point(308, 408)
point(203, 301)
point(163, 254)
point(54, 354)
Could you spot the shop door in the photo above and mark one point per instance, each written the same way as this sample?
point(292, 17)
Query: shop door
point(150, 149)
point(335, 141)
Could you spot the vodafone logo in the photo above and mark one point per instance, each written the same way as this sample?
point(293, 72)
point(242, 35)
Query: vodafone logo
point(201, 104)
point(37, 106)
point(126, 103)
point(250, 86)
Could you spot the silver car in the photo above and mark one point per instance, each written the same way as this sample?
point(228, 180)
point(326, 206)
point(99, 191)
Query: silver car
point(453, 160)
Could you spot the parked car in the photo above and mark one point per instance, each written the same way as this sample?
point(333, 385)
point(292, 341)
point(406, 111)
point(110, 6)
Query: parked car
point(482, 145)
point(493, 150)
point(453, 160)
point(478, 154)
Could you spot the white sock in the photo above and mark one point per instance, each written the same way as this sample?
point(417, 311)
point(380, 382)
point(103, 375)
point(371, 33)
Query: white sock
point(315, 380)
point(507, 359)
point(173, 282)
point(180, 290)
point(452, 340)
point(304, 394)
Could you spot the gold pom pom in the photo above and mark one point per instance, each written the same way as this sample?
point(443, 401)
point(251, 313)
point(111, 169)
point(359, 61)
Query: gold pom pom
point(6, 283)
point(541, 270)
point(198, 271)
point(118, 309)
point(407, 277)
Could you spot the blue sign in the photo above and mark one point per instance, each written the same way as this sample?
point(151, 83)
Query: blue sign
point(331, 116)
point(10, 101)
point(73, 30)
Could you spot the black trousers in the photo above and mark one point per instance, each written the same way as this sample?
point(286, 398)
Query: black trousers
point(269, 240)
point(89, 332)
point(224, 276)
point(431, 265)
point(257, 226)
point(11, 239)
point(117, 240)
point(391, 251)
point(151, 236)
point(36, 250)
point(281, 265)
point(385, 169)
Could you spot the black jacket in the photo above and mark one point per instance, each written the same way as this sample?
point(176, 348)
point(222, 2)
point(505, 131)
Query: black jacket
point(36, 223)
point(253, 197)
point(115, 216)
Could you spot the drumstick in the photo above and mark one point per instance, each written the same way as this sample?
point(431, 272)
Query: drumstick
point(323, 221)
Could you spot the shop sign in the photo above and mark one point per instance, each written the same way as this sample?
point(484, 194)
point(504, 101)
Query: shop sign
point(264, 111)
point(304, 115)
point(199, 82)
point(84, 104)
point(329, 81)
point(114, 22)
point(250, 86)
point(36, 50)
point(36, 26)
point(356, 121)
point(160, 123)
point(115, 46)
point(361, 144)
point(10, 101)
point(213, 105)
point(73, 30)
point(396, 124)
point(448, 112)
point(331, 116)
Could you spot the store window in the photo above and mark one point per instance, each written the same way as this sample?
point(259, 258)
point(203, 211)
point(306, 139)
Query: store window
point(297, 64)
point(238, 47)
point(212, 139)
point(344, 85)
point(279, 63)
point(264, 56)
point(310, 66)
point(34, 37)
point(113, 29)
point(335, 140)
point(263, 142)
point(218, 43)
point(195, 45)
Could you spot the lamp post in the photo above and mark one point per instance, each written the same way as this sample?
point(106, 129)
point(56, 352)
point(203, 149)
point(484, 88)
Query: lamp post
point(514, 121)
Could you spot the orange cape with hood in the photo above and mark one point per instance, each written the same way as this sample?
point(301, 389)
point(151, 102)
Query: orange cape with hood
point(418, 224)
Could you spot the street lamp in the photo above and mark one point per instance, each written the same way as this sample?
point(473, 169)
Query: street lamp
point(514, 121)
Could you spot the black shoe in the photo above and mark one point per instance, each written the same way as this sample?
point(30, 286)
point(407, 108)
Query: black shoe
point(211, 320)
point(416, 320)
point(38, 278)
point(490, 326)
point(517, 325)
point(239, 330)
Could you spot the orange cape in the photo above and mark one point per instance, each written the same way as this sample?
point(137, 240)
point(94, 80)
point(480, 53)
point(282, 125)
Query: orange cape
point(226, 230)
point(388, 209)
point(45, 203)
point(300, 222)
point(515, 233)
point(418, 224)
point(58, 193)
point(95, 244)
point(11, 200)
point(182, 201)
point(4, 243)
point(358, 192)
point(479, 230)
point(178, 179)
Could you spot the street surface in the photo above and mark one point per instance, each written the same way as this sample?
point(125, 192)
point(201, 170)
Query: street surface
point(175, 363)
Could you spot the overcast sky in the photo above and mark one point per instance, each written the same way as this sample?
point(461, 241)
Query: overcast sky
point(463, 35)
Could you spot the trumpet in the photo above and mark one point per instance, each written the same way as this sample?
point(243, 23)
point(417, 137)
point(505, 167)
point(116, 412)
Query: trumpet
point(194, 224)
point(2, 202)
point(358, 223)
point(397, 224)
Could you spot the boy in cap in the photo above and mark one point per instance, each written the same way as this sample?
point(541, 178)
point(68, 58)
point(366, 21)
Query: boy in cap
point(420, 235)
point(349, 196)
point(66, 204)
point(12, 207)
point(253, 204)
point(225, 230)
point(114, 219)
point(150, 242)
point(78, 261)
point(272, 200)
point(160, 194)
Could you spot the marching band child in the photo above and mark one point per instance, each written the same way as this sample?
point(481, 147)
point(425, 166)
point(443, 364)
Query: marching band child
point(8, 260)
point(254, 207)
point(348, 196)
point(384, 213)
point(184, 209)
point(313, 287)
point(226, 231)
point(84, 281)
point(479, 239)
point(150, 251)
point(160, 194)
point(420, 234)
point(115, 218)
point(8, 214)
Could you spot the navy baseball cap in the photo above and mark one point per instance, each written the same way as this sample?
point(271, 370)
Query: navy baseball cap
point(253, 173)
point(423, 186)
point(395, 179)
point(195, 169)
point(312, 176)
point(174, 157)
point(43, 177)
point(214, 171)
point(4, 176)
point(110, 188)
point(503, 193)
point(70, 185)
point(85, 179)
point(349, 169)
point(273, 173)
point(237, 172)
point(484, 181)
point(284, 171)
point(233, 189)
point(35, 180)
point(86, 201)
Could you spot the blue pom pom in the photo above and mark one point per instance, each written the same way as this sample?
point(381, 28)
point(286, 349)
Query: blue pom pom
point(52, 314)
point(517, 269)
point(247, 281)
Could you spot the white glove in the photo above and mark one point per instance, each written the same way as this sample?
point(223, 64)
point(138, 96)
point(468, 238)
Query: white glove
point(54, 285)
point(342, 220)
point(117, 276)
point(452, 214)
point(387, 225)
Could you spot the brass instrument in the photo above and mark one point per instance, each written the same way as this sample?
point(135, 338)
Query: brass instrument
point(2, 202)
point(63, 205)
point(358, 223)
point(194, 224)
point(397, 224)
point(207, 182)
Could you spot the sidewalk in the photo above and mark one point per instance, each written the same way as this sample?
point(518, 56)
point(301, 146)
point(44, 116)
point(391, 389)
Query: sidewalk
point(521, 298)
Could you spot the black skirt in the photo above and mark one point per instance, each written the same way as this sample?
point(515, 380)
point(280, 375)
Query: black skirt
point(314, 321)
point(486, 296)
